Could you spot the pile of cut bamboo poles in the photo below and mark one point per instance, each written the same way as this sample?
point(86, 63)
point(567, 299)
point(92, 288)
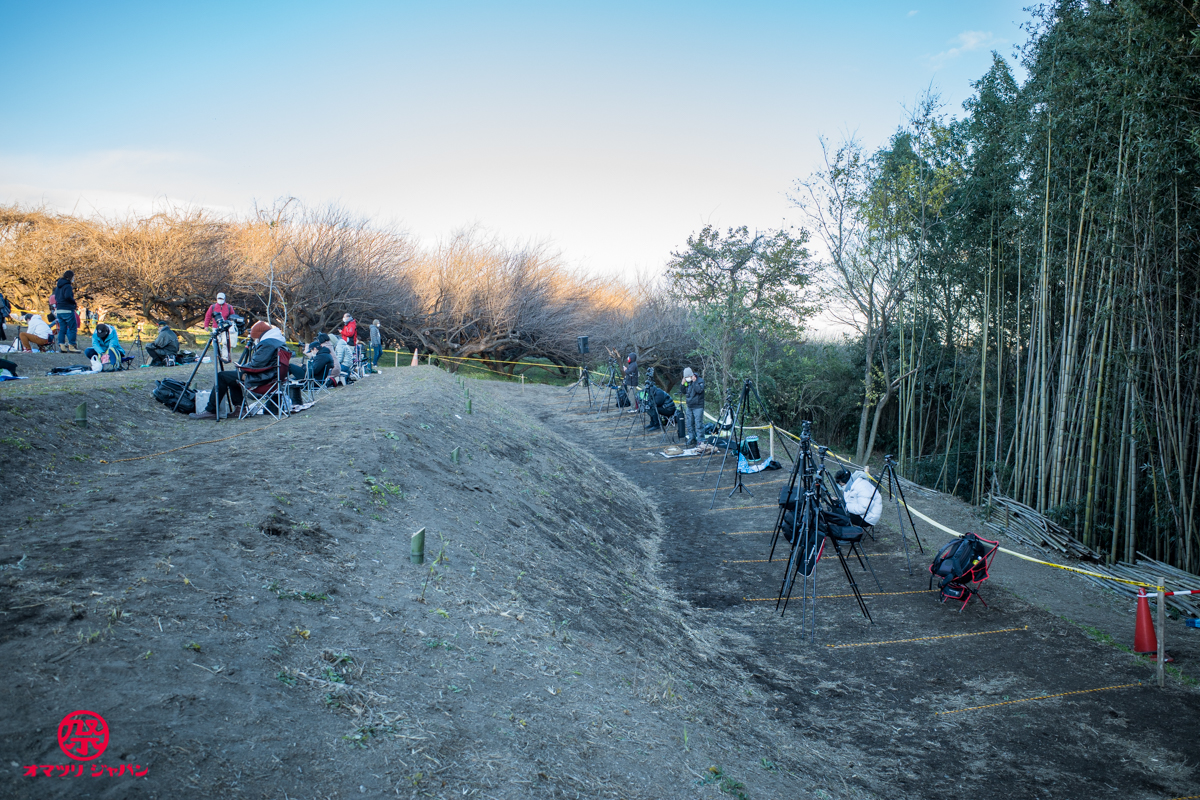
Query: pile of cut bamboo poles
point(1147, 570)
point(1027, 526)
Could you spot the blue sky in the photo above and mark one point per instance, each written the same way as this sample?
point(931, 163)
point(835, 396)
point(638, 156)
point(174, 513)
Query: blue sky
point(612, 130)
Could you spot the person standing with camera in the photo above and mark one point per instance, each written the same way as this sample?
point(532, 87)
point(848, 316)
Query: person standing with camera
point(631, 381)
point(693, 414)
point(213, 317)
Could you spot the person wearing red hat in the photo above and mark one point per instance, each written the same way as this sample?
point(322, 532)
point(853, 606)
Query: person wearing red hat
point(267, 340)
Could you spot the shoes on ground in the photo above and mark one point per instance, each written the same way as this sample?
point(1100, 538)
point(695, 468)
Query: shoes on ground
point(654, 427)
point(203, 415)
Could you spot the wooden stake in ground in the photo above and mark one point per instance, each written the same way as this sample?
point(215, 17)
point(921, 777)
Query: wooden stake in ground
point(1162, 631)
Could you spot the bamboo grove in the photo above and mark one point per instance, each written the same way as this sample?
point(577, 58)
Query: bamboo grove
point(1026, 280)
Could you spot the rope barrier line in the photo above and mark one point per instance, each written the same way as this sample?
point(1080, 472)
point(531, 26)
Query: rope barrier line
point(864, 594)
point(928, 638)
point(740, 533)
point(1043, 697)
point(736, 508)
point(193, 444)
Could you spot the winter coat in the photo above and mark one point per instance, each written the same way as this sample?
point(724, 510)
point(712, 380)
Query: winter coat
point(322, 364)
point(695, 393)
point(345, 354)
point(112, 342)
point(631, 371)
point(36, 326)
point(167, 340)
point(64, 295)
point(376, 337)
point(662, 401)
point(210, 316)
point(266, 354)
point(863, 498)
point(350, 332)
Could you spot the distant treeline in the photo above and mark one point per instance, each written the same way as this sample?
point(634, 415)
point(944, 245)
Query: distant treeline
point(472, 296)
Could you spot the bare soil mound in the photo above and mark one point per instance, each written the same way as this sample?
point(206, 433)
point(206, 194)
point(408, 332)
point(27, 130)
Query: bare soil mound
point(1028, 697)
point(236, 600)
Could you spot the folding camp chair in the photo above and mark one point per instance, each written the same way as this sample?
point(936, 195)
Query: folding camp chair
point(960, 564)
point(311, 386)
point(268, 397)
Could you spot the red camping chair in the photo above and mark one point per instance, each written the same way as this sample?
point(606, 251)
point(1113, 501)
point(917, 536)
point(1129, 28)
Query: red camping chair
point(268, 397)
point(960, 564)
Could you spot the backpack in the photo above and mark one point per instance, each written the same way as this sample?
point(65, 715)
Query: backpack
point(110, 360)
point(622, 397)
point(961, 558)
point(169, 391)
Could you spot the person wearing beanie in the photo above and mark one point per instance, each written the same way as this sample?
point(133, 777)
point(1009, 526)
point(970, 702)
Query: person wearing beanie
point(318, 361)
point(376, 345)
point(104, 338)
point(693, 387)
point(64, 309)
point(267, 340)
point(164, 346)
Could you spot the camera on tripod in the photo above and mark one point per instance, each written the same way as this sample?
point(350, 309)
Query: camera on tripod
point(224, 324)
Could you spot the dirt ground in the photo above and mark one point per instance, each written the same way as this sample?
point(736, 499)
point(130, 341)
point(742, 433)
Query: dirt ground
point(244, 615)
point(893, 693)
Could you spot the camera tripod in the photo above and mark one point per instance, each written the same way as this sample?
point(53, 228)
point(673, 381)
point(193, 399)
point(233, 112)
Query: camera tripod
point(585, 381)
point(648, 410)
point(891, 479)
point(734, 442)
point(137, 344)
point(812, 502)
point(610, 386)
point(217, 363)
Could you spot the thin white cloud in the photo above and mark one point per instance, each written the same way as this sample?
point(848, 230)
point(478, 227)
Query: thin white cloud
point(913, 13)
point(965, 42)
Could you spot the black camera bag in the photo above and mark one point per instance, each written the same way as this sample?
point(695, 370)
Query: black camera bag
point(170, 390)
point(622, 397)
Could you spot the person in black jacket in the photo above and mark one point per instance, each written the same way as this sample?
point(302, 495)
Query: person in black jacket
point(165, 344)
point(631, 380)
point(693, 387)
point(661, 407)
point(319, 360)
point(64, 309)
point(267, 341)
point(5, 310)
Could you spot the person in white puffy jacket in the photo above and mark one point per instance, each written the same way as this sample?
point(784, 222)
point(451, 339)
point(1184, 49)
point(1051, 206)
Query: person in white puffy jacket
point(864, 502)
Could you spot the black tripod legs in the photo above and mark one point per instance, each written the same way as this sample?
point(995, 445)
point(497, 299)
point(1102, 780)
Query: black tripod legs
point(862, 604)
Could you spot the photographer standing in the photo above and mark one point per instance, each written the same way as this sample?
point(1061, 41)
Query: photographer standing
point(64, 309)
point(693, 387)
point(631, 380)
point(227, 340)
point(376, 345)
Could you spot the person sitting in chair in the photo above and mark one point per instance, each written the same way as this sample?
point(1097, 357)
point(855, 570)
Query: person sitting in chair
point(661, 407)
point(864, 503)
point(104, 338)
point(344, 355)
point(267, 340)
point(165, 345)
point(36, 334)
point(318, 358)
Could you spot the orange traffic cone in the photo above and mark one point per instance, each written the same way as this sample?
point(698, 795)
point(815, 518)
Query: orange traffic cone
point(1145, 643)
point(414, 363)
